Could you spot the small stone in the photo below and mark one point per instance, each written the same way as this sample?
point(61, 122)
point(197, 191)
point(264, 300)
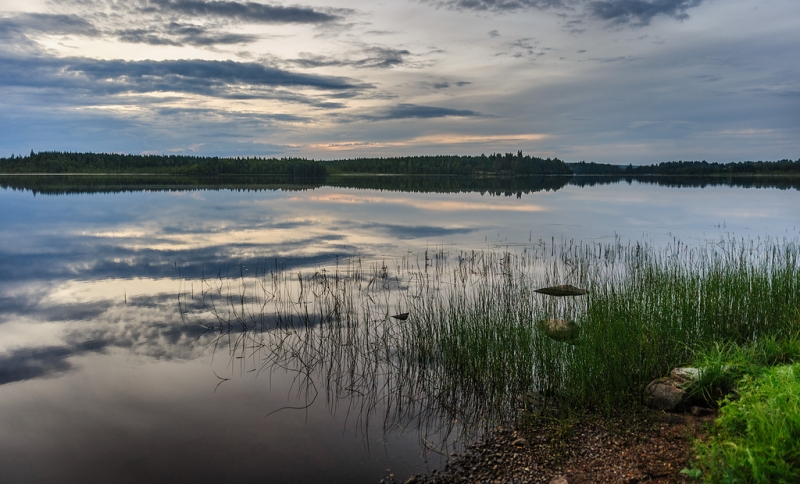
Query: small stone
point(672, 419)
point(701, 411)
point(559, 480)
point(520, 442)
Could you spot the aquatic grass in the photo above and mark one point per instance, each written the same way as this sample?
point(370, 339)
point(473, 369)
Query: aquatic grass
point(471, 346)
point(653, 310)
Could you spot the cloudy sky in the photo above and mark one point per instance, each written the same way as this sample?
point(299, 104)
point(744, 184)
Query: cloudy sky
point(615, 81)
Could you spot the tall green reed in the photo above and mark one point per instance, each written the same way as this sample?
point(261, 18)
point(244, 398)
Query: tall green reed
point(471, 346)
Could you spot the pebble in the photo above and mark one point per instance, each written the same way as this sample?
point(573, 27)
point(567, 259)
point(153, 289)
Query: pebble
point(520, 442)
point(701, 411)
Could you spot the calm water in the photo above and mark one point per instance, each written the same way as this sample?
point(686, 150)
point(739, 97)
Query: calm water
point(102, 380)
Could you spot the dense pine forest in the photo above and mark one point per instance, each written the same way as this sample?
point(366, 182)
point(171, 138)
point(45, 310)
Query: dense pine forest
point(497, 164)
point(494, 164)
point(693, 168)
point(111, 163)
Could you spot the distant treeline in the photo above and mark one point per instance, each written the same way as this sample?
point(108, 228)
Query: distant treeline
point(63, 162)
point(693, 168)
point(110, 163)
point(494, 164)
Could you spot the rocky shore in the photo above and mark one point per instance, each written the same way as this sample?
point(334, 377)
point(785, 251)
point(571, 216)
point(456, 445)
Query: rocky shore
point(643, 446)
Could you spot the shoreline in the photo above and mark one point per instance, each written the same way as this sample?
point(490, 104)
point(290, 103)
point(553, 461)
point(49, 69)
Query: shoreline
point(648, 446)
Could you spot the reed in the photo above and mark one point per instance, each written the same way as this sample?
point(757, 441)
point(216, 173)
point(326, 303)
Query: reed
point(470, 345)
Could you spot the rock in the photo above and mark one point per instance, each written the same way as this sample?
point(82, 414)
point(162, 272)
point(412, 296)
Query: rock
point(520, 442)
point(559, 329)
point(562, 290)
point(664, 394)
point(559, 480)
point(685, 376)
point(672, 419)
point(701, 411)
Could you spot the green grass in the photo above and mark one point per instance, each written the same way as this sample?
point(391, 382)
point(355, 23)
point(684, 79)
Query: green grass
point(756, 438)
point(725, 364)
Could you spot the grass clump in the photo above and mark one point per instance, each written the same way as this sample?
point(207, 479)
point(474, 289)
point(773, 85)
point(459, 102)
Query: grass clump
point(725, 364)
point(756, 438)
point(648, 310)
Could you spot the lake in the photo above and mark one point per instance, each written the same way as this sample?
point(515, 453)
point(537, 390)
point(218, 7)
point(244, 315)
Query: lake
point(113, 367)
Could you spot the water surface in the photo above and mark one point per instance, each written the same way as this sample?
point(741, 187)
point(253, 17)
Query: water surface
point(102, 379)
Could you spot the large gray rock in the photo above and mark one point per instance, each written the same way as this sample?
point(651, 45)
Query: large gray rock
point(665, 394)
point(684, 376)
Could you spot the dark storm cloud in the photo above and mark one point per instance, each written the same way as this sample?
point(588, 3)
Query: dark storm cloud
point(499, 5)
point(213, 78)
point(376, 58)
point(182, 34)
point(16, 32)
point(632, 12)
point(448, 84)
point(46, 24)
point(406, 111)
point(640, 12)
point(246, 12)
point(195, 113)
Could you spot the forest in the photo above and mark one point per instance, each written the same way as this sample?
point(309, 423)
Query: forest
point(693, 168)
point(56, 162)
point(495, 164)
point(109, 163)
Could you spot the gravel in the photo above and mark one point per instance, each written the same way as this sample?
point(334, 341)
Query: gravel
point(643, 446)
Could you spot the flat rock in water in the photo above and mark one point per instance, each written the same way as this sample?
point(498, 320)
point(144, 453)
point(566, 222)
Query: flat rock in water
point(562, 290)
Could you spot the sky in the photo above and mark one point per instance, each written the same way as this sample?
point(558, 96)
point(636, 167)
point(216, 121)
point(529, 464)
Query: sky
point(610, 81)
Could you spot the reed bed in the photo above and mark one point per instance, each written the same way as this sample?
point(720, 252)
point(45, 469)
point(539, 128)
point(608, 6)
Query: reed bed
point(470, 346)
